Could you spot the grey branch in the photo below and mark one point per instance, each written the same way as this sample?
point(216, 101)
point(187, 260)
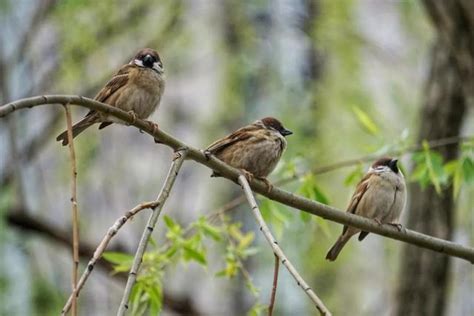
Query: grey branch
point(277, 250)
point(113, 230)
point(160, 201)
point(75, 215)
point(276, 194)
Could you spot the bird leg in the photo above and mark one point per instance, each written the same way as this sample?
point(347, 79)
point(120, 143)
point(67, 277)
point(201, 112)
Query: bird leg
point(378, 221)
point(267, 183)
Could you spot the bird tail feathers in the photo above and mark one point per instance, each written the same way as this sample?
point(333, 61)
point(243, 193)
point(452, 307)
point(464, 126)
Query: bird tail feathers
point(77, 128)
point(336, 249)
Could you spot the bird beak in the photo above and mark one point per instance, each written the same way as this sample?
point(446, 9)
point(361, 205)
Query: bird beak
point(148, 59)
point(286, 132)
point(393, 164)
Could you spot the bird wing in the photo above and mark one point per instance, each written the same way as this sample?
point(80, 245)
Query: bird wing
point(361, 188)
point(119, 80)
point(239, 135)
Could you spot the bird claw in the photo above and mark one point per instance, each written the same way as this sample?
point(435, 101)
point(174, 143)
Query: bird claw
point(267, 183)
point(398, 226)
point(249, 176)
point(378, 221)
point(154, 129)
point(207, 154)
point(133, 115)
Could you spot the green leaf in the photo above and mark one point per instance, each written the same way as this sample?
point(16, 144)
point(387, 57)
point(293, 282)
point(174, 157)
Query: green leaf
point(118, 257)
point(246, 240)
point(135, 297)
point(354, 176)
point(170, 223)
point(468, 170)
point(434, 164)
point(155, 298)
point(252, 288)
point(365, 120)
point(211, 231)
point(320, 196)
point(249, 252)
point(311, 190)
point(305, 217)
point(194, 254)
point(257, 309)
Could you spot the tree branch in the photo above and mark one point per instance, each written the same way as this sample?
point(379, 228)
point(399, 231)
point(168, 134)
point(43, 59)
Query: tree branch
point(274, 287)
point(101, 249)
point(21, 220)
point(277, 250)
point(160, 201)
point(75, 219)
point(277, 194)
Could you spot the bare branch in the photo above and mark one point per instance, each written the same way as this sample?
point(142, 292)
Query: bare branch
point(274, 287)
point(160, 201)
point(277, 250)
point(101, 249)
point(276, 194)
point(75, 217)
point(23, 221)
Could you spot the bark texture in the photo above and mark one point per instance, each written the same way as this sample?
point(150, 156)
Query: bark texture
point(424, 275)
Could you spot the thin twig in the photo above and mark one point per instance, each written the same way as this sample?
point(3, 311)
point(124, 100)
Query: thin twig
point(276, 194)
point(275, 285)
point(161, 199)
point(277, 250)
point(75, 217)
point(112, 231)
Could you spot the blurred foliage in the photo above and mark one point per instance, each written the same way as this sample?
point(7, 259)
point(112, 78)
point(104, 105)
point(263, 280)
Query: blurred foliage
point(184, 245)
point(333, 115)
point(432, 170)
point(46, 297)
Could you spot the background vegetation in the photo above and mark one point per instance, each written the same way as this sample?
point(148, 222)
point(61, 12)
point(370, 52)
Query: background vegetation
point(350, 78)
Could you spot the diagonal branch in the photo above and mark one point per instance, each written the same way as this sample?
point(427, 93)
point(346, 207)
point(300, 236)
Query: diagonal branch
point(75, 216)
point(101, 249)
point(160, 201)
point(277, 250)
point(276, 194)
point(274, 287)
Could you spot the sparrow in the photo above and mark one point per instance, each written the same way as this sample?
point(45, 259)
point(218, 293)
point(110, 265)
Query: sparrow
point(380, 195)
point(136, 88)
point(255, 149)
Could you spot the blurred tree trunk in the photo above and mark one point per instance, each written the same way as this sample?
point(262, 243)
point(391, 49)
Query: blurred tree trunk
point(424, 275)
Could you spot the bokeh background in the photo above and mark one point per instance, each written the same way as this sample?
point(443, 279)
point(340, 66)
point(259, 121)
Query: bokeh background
point(349, 78)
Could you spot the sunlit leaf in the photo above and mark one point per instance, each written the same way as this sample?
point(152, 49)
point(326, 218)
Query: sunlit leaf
point(118, 257)
point(365, 120)
point(305, 217)
point(170, 223)
point(354, 176)
point(468, 170)
point(194, 254)
point(434, 164)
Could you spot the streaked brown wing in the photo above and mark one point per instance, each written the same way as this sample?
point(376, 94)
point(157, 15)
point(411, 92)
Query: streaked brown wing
point(119, 80)
point(241, 134)
point(361, 188)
